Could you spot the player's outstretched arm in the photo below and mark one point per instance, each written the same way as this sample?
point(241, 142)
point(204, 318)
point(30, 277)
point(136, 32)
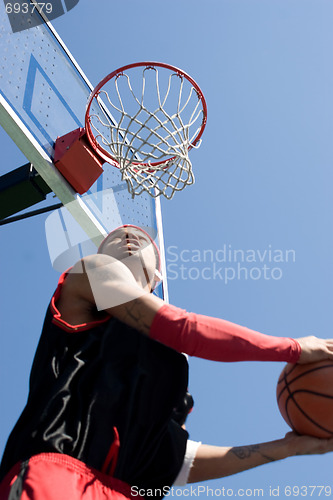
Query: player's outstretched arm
point(110, 286)
point(220, 340)
point(213, 462)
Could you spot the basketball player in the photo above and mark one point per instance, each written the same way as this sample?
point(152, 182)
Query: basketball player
point(105, 413)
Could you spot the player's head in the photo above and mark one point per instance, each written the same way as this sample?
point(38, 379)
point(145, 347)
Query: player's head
point(137, 250)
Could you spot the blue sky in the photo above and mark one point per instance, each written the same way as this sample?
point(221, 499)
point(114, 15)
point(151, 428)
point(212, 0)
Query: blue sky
point(263, 183)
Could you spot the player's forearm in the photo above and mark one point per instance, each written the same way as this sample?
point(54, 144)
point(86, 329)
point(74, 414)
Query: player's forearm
point(217, 339)
point(209, 338)
point(201, 336)
point(212, 462)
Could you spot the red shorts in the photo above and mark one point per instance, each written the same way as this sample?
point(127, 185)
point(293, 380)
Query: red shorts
point(53, 476)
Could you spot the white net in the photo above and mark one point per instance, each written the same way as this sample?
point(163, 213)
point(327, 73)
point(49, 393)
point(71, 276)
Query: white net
point(153, 135)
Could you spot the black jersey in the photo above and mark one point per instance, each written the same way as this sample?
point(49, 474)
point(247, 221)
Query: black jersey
point(89, 379)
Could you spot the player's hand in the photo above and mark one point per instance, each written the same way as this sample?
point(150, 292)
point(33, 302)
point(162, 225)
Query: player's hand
point(314, 349)
point(307, 445)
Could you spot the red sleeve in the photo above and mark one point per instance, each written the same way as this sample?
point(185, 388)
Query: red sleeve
point(217, 339)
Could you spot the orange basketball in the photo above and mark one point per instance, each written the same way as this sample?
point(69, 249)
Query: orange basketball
point(305, 398)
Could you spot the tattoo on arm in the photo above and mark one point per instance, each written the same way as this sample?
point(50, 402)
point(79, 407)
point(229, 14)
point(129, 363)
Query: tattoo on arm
point(243, 452)
point(133, 312)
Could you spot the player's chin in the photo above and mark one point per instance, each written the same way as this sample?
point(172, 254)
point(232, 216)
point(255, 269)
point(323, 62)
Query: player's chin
point(132, 258)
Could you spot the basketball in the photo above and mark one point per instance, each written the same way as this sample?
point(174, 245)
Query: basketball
point(305, 398)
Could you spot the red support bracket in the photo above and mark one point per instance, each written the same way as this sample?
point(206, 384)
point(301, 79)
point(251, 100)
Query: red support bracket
point(77, 161)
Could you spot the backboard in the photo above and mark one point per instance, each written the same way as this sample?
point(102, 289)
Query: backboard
point(43, 95)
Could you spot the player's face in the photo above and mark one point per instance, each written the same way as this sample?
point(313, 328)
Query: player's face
point(134, 248)
point(126, 241)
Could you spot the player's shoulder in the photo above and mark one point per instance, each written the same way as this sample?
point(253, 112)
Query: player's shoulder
point(77, 277)
point(100, 268)
point(89, 262)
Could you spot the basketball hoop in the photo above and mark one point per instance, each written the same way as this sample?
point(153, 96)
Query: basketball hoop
point(144, 118)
